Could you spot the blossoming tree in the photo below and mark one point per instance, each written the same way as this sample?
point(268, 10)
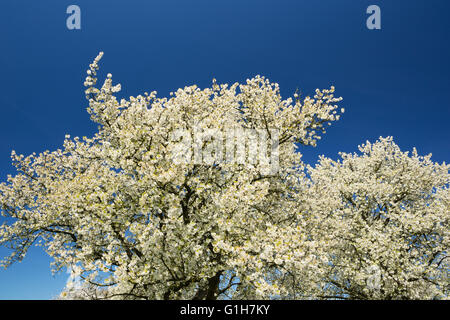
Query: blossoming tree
point(131, 223)
point(382, 220)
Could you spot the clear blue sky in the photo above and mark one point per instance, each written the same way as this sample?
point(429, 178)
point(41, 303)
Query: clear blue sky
point(394, 81)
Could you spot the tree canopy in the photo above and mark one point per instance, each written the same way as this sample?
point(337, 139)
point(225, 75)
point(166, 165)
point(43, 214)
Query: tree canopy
point(153, 206)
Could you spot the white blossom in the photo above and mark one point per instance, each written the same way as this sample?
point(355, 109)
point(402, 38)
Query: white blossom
point(132, 224)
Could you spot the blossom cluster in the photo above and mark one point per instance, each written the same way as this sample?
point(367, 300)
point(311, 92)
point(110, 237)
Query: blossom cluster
point(132, 223)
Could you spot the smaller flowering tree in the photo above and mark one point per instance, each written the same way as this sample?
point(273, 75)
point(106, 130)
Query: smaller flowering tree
point(382, 221)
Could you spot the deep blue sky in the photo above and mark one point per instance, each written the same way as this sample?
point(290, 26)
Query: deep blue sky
point(394, 81)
